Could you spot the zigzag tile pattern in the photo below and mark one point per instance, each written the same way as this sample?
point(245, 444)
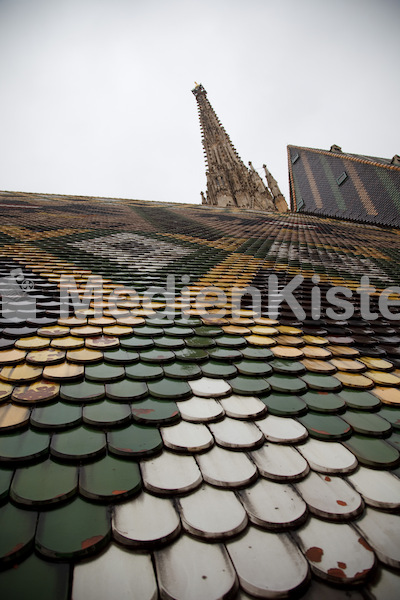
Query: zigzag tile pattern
point(163, 452)
point(337, 184)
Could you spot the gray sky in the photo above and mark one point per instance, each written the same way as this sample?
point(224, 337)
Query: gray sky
point(96, 94)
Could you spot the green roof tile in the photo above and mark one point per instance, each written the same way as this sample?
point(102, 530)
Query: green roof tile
point(27, 445)
point(135, 441)
point(324, 402)
point(253, 368)
point(45, 483)
point(324, 383)
point(325, 427)
point(6, 476)
point(170, 389)
point(367, 423)
point(284, 404)
point(157, 355)
point(153, 411)
point(144, 371)
point(106, 414)
point(218, 369)
point(249, 386)
point(109, 479)
point(78, 444)
point(126, 390)
point(287, 384)
point(37, 579)
point(78, 529)
point(359, 400)
point(17, 532)
point(373, 452)
point(104, 372)
point(56, 416)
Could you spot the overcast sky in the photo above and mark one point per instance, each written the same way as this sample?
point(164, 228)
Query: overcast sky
point(96, 94)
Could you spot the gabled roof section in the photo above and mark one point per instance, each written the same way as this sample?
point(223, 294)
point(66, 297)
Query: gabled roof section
point(348, 186)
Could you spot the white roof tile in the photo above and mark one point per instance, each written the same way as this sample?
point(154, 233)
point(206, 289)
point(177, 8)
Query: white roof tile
point(225, 468)
point(145, 519)
point(212, 513)
point(269, 565)
point(116, 573)
point(193, 570)
point(170, 473)
point(273, 505)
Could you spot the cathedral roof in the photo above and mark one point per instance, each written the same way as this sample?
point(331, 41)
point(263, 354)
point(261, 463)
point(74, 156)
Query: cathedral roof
point(169, 450)
point(347, 186)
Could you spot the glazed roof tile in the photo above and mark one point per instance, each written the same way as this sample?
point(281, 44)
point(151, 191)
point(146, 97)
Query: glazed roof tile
point(347, 186)
point(212, 513)
point(151, 455)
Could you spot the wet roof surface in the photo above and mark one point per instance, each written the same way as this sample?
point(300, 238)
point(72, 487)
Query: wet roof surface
point(167, 456)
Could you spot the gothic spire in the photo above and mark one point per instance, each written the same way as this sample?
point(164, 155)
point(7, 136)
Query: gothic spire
point(229, 181)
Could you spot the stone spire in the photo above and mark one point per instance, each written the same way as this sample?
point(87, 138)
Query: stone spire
point(229, 181)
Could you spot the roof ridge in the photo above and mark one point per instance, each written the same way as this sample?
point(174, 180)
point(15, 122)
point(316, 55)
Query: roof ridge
point(355, 158)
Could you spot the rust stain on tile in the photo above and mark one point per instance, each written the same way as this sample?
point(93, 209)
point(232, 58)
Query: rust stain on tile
point(365, 544)
point(321, 431)
point(314, 554)
point(338, 573)
point(362, 574)
point(91, 541)
point(15, 549)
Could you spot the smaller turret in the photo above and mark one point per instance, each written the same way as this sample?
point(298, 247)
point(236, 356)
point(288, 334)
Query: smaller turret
point(278, 197)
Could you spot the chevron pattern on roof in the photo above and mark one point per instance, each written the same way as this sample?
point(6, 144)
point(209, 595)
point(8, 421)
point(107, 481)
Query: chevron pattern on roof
point(346, 186)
